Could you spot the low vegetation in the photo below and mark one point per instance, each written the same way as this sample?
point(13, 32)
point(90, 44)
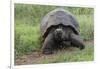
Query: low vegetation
point(27, 30)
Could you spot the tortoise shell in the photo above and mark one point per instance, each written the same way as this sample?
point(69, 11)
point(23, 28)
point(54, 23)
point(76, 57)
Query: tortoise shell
point(58, 17)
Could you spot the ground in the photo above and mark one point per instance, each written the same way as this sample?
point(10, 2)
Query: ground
point(65, 55)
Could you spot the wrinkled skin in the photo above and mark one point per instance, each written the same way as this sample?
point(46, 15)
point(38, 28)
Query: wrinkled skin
point(61, 37)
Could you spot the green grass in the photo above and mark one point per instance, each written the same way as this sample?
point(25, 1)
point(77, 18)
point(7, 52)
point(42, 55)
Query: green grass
point(26, 39)
point(27, 29)
point(60, 56)
point(86, 26)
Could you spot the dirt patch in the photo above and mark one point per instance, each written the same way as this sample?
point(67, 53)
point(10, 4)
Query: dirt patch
point(37, 57)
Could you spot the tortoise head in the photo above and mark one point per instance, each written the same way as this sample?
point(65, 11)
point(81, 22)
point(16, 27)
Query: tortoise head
point(62, 34)
point(59, 34)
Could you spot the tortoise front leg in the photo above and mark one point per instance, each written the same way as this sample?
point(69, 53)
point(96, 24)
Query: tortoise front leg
point(77, 41)
point(48, 44)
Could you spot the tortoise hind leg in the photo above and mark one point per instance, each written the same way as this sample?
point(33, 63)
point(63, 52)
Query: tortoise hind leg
point(48, 44)
point(77, 41)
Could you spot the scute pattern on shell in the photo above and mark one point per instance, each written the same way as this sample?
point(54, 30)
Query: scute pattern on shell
point(56, 17)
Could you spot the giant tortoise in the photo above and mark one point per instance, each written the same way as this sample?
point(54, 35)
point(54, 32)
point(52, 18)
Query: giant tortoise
point(59, 28)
